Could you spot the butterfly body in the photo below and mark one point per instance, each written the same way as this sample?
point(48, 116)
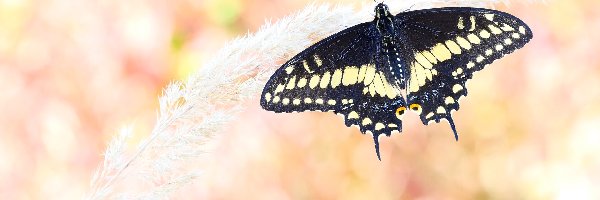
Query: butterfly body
point(374, 72)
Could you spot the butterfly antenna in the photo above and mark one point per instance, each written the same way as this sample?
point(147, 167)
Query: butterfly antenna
point(376, 139)
point(453, 127)
point(411, 7)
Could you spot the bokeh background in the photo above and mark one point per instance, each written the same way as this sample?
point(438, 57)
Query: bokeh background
point(73, 72)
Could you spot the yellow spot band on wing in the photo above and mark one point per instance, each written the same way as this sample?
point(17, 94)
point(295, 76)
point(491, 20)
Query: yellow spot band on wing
point(369, 75)
point(419, 57)
point(484, 34)
point(314, 81)
point(325, 80)
point(454, 48)
point(291, 83)
point(429, 57)
point(350, 75)
point(463, 43)
point(336, 78)
point(302, 83)
point(473, 38)
point(441, 52)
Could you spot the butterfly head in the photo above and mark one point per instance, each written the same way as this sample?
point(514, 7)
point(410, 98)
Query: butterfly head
point(384, 21)
point(382, 10)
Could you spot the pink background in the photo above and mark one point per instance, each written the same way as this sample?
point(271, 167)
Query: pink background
point(72, 73)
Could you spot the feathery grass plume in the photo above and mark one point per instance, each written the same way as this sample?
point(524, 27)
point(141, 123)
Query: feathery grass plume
point(192, 113)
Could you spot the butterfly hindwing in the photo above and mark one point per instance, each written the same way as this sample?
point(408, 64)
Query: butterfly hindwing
point(339, 74)
point(449, 45)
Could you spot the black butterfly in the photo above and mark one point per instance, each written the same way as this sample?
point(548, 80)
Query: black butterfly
point(364, 71)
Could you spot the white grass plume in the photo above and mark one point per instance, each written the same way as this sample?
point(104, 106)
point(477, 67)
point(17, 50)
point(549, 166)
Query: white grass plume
point(192, 112)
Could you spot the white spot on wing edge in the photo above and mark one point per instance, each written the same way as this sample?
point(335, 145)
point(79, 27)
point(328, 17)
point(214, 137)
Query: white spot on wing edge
point(522, 30)
point(449, 100)
point(331, 102)
point(353, 115)
point(480, 58)
point(379, 126)
point(319, 101)
point(488, 52)
point(506, 27)
point(308, 100)
point(456, 88)
point(429, 115)
point(440, 110)
point(366, 121)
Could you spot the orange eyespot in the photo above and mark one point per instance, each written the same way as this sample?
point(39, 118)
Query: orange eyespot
point(400, 112)
point(415, 107)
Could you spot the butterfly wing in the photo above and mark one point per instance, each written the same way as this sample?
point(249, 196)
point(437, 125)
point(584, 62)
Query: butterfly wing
point(450, 44)
point(342, 74)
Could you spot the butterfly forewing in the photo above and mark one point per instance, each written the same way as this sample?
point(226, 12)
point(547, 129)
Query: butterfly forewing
point(449, 45)
point(338, 74)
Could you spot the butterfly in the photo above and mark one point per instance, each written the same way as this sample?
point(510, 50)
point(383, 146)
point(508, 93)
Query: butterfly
point(374, 72)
